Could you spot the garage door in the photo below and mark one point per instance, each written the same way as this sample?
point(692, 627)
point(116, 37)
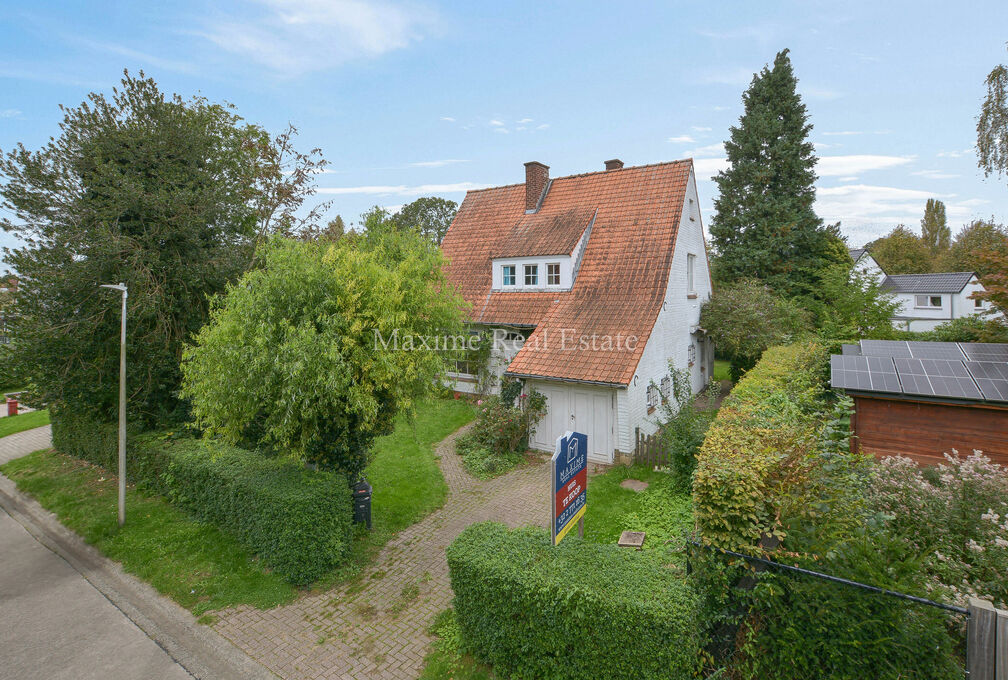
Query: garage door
point(581, 410)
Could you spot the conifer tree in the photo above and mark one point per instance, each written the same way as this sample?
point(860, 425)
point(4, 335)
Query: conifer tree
point(934, 227)
point(764, 226)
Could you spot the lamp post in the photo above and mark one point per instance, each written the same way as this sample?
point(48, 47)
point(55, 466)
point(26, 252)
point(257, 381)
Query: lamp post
point(122, 402)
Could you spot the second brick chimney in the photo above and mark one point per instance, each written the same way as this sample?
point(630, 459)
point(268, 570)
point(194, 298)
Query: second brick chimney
point(614, 164)
point(536, 179)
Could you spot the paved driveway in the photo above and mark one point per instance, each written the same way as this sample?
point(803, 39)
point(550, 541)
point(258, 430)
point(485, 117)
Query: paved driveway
point(377, 627)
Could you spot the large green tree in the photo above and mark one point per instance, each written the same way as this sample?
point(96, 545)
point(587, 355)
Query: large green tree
point(992, 125)
point(429, 215)
point(764, 225)
point(316, 352)
point(902, 252)
point(972, 245)
point(852, 304)
point(934, 228)
point(164, 194)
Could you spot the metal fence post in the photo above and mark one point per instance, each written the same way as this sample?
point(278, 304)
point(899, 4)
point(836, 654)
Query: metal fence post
point(981, 635)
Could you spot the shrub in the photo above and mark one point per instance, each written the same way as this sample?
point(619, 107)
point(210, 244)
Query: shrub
point(79, 435)
point(955, 517)
point(747, 317)
point(682, 425)
point(579, 609)
point(759, 451)
point(298, 521)
point(501, 432)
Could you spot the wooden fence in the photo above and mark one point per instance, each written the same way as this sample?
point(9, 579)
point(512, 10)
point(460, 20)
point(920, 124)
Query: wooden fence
point(649, 450)
point(986, 641)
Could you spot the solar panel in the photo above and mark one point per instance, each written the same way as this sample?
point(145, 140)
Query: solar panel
point(885, 348)
point(937, 378)
point(850, 350)
point(935, 350)
point(883, 375)
point(868, 374)
point(992, 377)
point(849, 372)
point(984, 351)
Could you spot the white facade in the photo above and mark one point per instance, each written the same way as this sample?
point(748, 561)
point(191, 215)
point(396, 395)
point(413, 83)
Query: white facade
point(866, 264)
point(925, 311)
point(611, 415)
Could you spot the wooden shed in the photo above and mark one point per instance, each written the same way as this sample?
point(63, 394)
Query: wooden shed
point(924, 399)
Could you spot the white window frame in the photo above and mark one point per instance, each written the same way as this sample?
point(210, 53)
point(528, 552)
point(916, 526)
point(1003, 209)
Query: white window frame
point(977, 303)
point(691, 273)
point(652, 396)
point(531, 271)
point(509, 271)
point(928, 300)
point(551, 269)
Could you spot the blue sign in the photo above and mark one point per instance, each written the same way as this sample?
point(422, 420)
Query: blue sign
point(570, 482)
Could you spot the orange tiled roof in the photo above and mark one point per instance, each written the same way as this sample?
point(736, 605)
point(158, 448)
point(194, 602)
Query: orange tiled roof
point(621, 283)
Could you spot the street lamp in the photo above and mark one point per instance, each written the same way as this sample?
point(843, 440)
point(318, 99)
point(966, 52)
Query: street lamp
point(122, 402)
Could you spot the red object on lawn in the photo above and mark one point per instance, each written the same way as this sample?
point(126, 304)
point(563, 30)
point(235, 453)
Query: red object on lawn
point(12, 406)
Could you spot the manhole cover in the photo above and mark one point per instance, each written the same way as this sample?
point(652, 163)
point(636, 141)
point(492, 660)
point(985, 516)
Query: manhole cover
point(631, 539)
point(634, 485)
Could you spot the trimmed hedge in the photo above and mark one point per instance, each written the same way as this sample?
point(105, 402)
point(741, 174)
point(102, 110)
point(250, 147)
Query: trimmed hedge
point(580, 609)
point(754, 455)
point(297, 521)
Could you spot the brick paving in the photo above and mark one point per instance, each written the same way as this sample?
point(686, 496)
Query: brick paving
point(376, 627)
point(22, 443)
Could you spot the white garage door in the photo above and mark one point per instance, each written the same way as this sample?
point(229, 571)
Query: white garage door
point(581, 409)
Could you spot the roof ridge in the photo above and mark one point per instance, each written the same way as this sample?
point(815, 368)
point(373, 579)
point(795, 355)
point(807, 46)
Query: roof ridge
point(591, 172)
point(934, 273)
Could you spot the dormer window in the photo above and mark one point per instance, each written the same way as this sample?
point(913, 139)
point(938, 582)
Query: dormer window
point(553, 274)
point(531, 275)
point(508, 274)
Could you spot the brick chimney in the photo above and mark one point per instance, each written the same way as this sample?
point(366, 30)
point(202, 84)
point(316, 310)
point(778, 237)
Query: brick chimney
point(614, 164)
point(536, 179)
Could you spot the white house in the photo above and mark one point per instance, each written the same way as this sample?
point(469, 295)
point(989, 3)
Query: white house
point(926, 300)
point(591, 284)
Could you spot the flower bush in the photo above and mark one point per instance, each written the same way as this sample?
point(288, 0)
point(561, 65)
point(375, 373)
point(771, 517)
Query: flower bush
point(955, 517)
point(501, 432)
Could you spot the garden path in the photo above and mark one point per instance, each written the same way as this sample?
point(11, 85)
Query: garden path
point(22, 443)
point(377, 626)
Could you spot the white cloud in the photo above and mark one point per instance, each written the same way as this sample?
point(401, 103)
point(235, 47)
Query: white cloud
point(682, 139)
point(706, 168)
point(867, 202)
point(841, 166)
point(498, 123)
point(955, 154)
point(698, 128)
point(720, 108)
point(736, 77)
point(707, 151)
point(438, 164)
point(934, 174)
point(542, 126)
point(294, 37)
point(842, 133)
point(393, 209)
point(402, 189)
point(448, 119)
point(10, 113)
point(502, 130)
point(524, 120)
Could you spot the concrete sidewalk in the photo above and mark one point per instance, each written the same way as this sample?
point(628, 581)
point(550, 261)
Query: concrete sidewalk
point(67, 611)
point(54, 624)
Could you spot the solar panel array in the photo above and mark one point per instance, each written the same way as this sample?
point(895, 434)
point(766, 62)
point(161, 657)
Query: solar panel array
point(972, 371)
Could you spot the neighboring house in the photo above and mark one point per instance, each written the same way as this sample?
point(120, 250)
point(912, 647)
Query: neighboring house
point(926, 300)
point(924, 399)
point(866, 264)
point(591, 285)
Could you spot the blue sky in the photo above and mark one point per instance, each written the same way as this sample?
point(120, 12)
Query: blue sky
point(424, 98)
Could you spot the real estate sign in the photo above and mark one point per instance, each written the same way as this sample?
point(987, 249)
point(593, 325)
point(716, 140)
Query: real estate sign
point(570, 483)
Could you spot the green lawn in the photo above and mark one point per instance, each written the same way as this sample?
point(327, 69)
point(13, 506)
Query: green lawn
point(446, 660)
point(193, 563)
point(661, 510)
point(722, 370)
point(25, 421)
point(204, 569)
point(405, 478)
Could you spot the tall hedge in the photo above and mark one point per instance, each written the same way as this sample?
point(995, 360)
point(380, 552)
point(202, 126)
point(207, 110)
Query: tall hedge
point(297, 521)
point(578, 610)
point(754, 460)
